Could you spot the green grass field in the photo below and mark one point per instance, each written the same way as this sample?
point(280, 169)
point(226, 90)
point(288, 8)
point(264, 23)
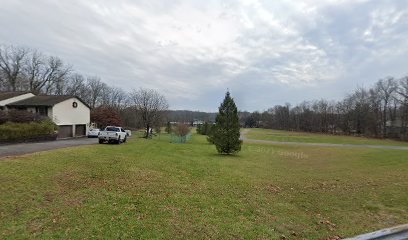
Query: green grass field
point(287, 136)
point(154, 189)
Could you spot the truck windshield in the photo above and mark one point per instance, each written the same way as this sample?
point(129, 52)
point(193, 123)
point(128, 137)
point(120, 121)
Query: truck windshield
point(112, 129)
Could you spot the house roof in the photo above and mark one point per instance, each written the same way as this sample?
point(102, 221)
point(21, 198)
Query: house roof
point(7, 95)
point(43, 100)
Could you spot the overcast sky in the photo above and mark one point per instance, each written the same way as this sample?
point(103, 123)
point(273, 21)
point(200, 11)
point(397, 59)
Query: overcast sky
point(265, 52)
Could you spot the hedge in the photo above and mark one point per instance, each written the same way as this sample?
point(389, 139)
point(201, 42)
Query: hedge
point(11, 131)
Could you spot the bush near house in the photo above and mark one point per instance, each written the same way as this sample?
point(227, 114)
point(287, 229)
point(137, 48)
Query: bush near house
point(22, 126)
point(43, 130)
point(20, 116)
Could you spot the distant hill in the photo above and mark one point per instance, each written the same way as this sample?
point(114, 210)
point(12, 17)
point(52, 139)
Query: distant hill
point(189, 116)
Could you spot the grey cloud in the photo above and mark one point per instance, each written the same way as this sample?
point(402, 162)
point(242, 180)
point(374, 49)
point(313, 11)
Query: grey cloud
point(266, 52)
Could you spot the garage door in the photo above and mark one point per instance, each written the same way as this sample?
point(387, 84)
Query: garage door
point(80, 130)
point(65, 131)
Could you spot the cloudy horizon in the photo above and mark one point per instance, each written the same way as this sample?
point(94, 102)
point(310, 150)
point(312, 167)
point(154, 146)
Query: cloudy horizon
point(264, 52)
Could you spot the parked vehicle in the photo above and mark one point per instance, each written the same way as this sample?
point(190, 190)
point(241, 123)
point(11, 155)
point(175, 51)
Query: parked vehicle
point(128, 133)
point(93, 133)
point(112, 134)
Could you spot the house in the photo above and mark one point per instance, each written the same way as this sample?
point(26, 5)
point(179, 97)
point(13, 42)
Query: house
point(196, 123)
point(70, 113)
point(10, 97)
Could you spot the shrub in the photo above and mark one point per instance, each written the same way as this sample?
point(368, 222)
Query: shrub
point(205, 129)
point(181, 130)
point(3, 117)
point(209, 133)
point(157, 130)
point(105, 116)
point(12, 131)
point(22, 116)
point(168, 128)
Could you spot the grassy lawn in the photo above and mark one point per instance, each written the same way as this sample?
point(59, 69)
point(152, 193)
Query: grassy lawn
point(286, 136)
point(154, 189)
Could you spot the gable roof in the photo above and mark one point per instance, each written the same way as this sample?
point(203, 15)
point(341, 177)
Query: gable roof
point(44, 100)
point(7, 95)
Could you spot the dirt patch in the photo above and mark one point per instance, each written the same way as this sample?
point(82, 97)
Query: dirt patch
point(74, 201)
point(268, 187)
point(68, 181)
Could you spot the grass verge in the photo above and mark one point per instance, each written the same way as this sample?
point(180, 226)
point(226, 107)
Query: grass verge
point(287, 136)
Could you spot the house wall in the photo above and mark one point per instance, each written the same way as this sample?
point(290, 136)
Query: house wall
point(64, 113)
point(15, 99)
point(33, 110)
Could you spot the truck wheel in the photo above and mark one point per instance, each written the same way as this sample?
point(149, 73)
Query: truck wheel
point(118, 141)
point(100, 141)
point(124, 140)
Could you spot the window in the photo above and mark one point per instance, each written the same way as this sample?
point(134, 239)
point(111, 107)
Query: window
point(42, 110)
point(112, 129)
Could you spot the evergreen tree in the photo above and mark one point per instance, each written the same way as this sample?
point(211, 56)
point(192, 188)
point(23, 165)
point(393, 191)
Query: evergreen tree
point(226, 132)
point(199, 129)
point(204, 129)
point(168, 128)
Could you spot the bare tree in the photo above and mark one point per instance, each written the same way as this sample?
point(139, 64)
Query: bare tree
point(11, 64)
point(403, 99)
point(95, 87)
point(151, 106)
point(376, 111)
point(53, 76)
point(117, 98)
point(76, 86)
point(386, 88)
point(33, 69)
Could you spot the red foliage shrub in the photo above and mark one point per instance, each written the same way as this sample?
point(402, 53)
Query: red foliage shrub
point(105, 116)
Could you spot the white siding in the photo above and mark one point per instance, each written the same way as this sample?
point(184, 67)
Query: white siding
point(64, 113)
point(15, 99)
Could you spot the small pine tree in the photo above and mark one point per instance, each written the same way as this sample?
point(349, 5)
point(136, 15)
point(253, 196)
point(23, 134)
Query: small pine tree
point(209, 134)
point(205, 129)
point(226, 131)
point(199, 129)
point(168, 128)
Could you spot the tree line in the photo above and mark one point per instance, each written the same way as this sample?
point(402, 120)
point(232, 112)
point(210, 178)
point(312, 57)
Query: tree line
point(23, 69)
point(379, 111)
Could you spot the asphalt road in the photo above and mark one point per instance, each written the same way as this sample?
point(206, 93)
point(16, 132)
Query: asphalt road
point(321, 144)
point(25, 148)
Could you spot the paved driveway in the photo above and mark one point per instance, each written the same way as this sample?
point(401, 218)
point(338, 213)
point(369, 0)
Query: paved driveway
point(24, 148)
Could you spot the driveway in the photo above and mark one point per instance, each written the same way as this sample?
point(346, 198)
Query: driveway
point(24, 148)
point(319, 144)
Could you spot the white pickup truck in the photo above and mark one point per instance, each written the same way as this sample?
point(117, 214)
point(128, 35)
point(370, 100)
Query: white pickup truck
point(112, 134)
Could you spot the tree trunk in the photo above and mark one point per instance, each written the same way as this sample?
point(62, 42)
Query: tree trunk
point(147, 131)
